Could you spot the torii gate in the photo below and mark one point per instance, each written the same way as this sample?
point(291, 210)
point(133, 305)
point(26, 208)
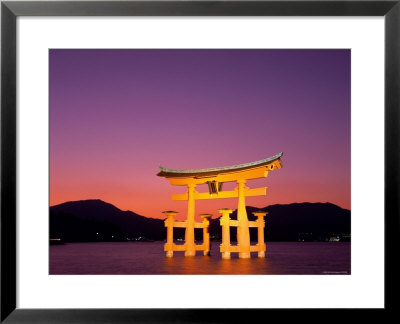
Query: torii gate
point(215, 177)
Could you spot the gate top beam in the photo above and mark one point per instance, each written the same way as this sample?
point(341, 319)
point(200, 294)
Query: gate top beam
point(199, 173)
point(247, 171)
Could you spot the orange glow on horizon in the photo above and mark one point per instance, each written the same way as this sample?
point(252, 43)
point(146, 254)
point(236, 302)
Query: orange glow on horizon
point(152, 204)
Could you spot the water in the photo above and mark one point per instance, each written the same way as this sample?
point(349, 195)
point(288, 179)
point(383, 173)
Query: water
point(132, 258)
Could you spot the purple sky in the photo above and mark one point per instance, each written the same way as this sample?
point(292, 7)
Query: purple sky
point(116, 115)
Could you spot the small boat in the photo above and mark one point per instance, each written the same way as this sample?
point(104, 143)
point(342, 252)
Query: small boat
point(56, 241)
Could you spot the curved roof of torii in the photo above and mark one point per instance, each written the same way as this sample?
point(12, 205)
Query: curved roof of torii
point(173, 173)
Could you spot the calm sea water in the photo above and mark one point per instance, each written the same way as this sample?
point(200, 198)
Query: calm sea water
point(132, 258)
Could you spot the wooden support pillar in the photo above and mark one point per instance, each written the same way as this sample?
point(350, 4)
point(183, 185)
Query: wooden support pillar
point(206, 233)
point(261, 224)
point(169, 224)
point(190, 249)
point(226, 240)
point(243, 234)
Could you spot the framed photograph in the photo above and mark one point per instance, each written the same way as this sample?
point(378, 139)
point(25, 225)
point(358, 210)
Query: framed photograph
point(186, 161)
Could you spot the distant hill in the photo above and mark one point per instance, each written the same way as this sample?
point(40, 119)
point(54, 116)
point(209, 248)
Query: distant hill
point(297, 221)
point(96, 220)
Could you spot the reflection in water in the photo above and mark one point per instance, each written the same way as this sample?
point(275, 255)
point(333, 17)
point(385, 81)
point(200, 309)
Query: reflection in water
point(188, 265)
point(243, 266)
point(149, 258)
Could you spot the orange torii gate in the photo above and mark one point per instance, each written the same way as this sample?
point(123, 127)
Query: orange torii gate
point(214, 178)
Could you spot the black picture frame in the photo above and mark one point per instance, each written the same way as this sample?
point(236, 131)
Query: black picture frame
point(10, 10)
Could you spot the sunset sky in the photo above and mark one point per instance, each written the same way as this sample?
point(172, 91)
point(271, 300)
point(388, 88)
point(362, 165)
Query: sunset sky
point(117, 115)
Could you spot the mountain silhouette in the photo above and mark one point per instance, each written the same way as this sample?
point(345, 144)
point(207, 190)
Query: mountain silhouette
point(297, 221)
point(96, 220)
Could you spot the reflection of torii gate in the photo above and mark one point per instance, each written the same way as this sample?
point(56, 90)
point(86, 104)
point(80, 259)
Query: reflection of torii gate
point(215, 177)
